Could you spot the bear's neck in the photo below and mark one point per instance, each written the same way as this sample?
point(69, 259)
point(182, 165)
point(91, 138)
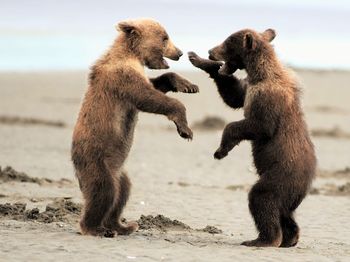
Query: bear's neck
point(121, 50)
point(263, 65)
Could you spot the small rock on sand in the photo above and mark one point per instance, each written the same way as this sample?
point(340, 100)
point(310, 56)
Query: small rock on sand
point(210, 123)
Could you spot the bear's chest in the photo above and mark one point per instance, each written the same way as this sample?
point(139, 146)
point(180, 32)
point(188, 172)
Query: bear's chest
point(125, 117)
point(252, 94)
point(138, 67)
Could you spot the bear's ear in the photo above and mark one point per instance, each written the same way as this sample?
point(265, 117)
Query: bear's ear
point(249, 42)
point(128, 28)
point(269, 34)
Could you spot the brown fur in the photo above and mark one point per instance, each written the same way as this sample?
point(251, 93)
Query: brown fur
point(118, 90)
point(282, 150)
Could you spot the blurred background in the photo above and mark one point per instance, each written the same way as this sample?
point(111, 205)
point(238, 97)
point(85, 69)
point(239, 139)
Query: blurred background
point(46, 49)
point(70, 35)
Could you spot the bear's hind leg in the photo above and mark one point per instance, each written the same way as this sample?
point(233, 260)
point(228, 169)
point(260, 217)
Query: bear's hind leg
point(113, 221)
point(99, 197)
point(290, 231)
point(266, 214)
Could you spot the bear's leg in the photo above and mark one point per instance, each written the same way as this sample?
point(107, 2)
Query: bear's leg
point(228, 141)
point(173, 82)
point(113, 221)
point(265, 211)
point(290, 231)
point(99, 193)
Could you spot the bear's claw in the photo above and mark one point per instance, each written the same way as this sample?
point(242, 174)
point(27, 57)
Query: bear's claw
point(185, 132)
point(220, 154)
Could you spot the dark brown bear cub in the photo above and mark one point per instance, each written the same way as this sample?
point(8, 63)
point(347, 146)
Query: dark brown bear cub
point(118, 90)
point(282, 150)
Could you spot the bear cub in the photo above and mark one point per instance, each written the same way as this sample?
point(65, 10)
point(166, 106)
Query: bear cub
point(119, 89)
point(273, 121)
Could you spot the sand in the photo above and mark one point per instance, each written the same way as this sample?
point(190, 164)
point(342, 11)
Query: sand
point(190, 207)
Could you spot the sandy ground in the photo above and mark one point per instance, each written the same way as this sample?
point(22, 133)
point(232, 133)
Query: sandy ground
point(171, 177)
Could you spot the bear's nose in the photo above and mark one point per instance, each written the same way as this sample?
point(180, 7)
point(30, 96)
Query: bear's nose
point(180, 53)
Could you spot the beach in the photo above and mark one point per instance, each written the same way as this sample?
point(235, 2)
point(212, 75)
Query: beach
point(191, 207)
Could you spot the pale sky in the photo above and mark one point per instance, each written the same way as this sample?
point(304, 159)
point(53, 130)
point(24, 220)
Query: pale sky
point(73, 33)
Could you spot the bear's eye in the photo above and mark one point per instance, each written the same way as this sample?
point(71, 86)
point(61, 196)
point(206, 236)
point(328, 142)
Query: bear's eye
point(165, 38)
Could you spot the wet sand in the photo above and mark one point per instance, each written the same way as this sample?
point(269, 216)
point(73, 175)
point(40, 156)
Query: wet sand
point(190, 207)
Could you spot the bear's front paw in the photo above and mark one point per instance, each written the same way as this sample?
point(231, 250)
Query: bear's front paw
point(185, 86)
point(207, 65)
point(185, 132)
point(194, 59)
point(220, 153)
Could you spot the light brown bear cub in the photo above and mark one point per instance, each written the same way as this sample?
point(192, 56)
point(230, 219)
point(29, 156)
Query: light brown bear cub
point(274, 123)
point(118, 90)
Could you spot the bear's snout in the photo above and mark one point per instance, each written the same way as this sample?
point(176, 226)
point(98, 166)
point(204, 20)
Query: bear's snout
point(216, 53)
point(175, 55)
point(212, 55)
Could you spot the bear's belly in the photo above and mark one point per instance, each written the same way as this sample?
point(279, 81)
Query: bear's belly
point(125, 118)
point(251, 94)
point(289, 155)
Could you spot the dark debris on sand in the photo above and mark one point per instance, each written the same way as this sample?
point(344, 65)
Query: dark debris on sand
point(9, 174)
point(211, 230)
point(344, 189)
point(335, 132)
point(210, 123)
point(25, 121)
point(332, 190)
point(164, 224)
point(235, 187)
point(61, 210)
point(345, 171)
point(340, 173)
point(161, 223)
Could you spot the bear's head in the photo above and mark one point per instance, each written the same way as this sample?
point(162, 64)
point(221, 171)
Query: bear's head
point(239, 47)
point(149, 41)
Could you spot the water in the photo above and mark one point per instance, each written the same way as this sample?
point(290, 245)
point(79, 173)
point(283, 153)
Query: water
point(71, 35)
